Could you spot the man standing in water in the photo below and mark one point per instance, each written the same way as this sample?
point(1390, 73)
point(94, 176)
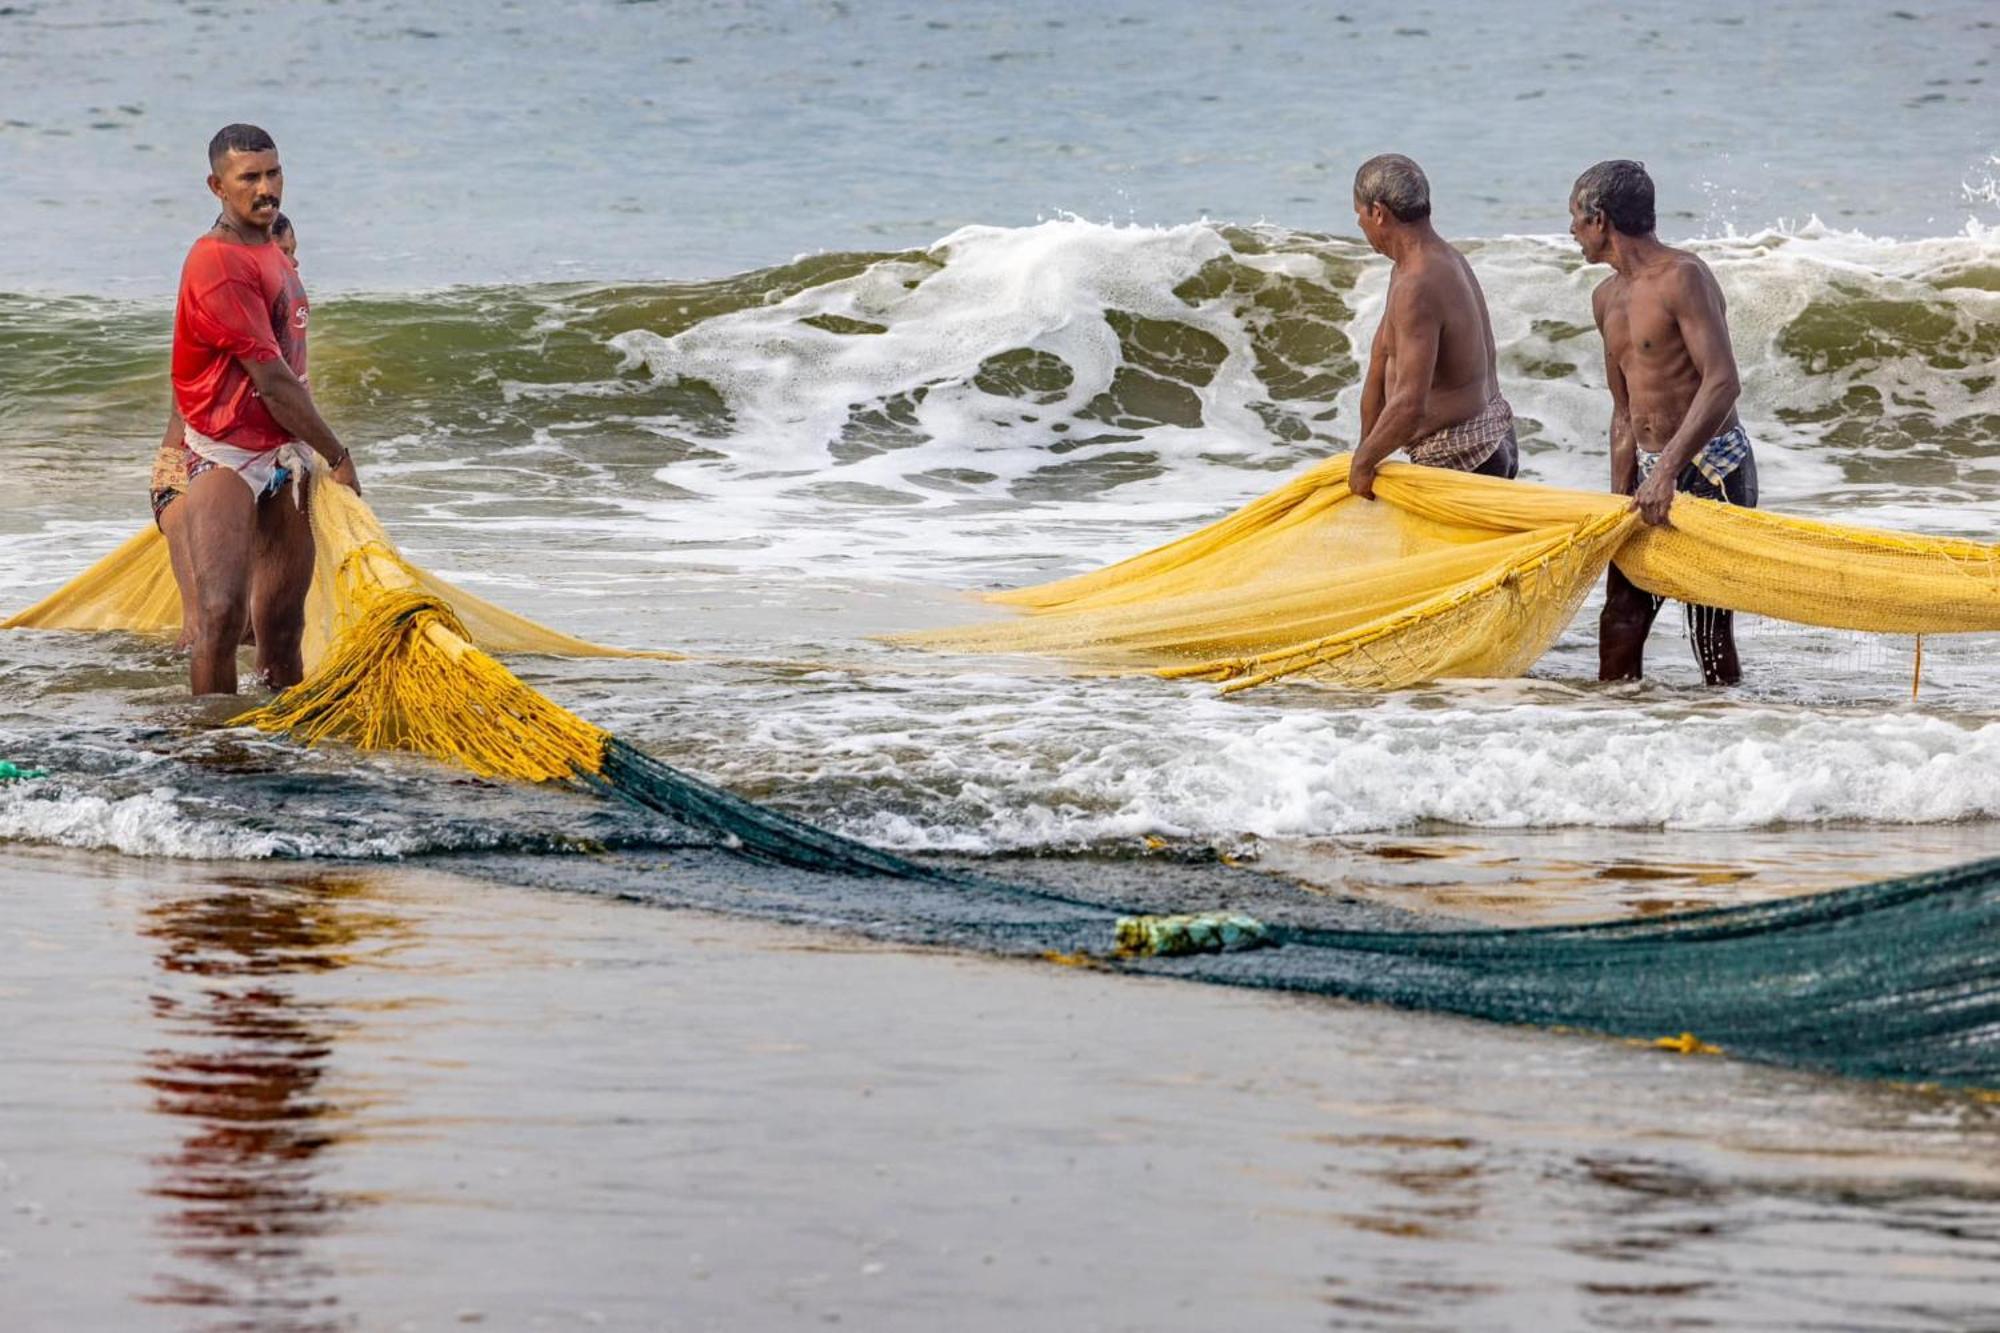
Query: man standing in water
point(170, 472)
point(239, 357)
point(1433, 387)
point(1672, 376)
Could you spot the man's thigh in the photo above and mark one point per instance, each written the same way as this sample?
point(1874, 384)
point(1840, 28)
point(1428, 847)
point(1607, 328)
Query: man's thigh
point(218, 530)
point(283, 561)
point(1626, 602)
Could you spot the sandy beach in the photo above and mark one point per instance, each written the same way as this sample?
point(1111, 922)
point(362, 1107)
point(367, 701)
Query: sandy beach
point(251, 1096)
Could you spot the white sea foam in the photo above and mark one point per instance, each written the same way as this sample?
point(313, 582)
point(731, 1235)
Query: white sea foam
point(996, 763)
point(1818, 316)
point(781, 538)
point(159, 822)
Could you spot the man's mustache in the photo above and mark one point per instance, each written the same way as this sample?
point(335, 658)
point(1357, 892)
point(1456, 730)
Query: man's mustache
point(263, 199)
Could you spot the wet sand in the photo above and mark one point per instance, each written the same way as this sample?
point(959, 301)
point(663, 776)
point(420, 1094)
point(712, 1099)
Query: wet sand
point(279, 1097)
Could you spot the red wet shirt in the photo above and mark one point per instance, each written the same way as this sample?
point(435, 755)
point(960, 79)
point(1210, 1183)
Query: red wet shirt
point(238, 303)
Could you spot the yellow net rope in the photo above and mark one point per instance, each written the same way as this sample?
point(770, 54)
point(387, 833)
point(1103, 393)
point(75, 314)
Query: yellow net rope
point(404, 677)
point(1446, 574)
point(390, 655)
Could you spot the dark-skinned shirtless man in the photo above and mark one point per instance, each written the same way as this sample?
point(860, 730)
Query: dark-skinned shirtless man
point(1672, 376)
point(1432, 387)
point(239, 357)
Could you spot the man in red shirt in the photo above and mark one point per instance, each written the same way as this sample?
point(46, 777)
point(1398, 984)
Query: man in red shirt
point(238, 368)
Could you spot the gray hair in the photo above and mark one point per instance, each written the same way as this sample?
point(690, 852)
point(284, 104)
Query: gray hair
point(1621, 190)
point(1396, 183)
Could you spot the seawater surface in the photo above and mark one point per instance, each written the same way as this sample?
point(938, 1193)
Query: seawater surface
point(315, 1099)
point(766, 471)
point(664, 139)
point(757, 331)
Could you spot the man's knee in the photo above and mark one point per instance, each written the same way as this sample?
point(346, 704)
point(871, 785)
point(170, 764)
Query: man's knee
point(280, 620)
point(1624, 619)
point(221, 610)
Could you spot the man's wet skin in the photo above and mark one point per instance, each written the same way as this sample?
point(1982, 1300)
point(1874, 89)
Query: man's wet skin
point(1673, 382)
point(238, 365)
point(173, 519)
point(1432, 363)
point(1666, 335)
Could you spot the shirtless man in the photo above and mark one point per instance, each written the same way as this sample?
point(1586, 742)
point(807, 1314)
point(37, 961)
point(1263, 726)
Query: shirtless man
point(1433, 387)
point(239, 354)
point(1673, 385)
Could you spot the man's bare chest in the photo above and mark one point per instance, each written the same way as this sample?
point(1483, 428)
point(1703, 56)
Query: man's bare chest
point(1641, 330)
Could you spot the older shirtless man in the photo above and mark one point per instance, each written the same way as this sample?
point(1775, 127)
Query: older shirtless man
point(1432, 385)
point(239, 355)
point(1672, 376)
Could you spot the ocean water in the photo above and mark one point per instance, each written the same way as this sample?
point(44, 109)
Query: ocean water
point(768, 470)
point(755, 331)
point(673, 139)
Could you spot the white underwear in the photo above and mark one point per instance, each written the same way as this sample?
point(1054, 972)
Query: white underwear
point(264, 471)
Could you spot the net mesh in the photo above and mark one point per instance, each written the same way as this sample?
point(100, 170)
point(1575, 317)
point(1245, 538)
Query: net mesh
point(1452, 575)
point(1899, 979)
point(133, 589)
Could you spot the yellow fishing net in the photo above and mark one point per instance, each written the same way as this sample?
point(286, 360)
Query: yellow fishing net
point(1446, 574)
point(133, 589)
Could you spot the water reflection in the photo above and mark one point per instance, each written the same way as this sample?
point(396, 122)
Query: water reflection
point(1808, 1232)
point(243, 1071)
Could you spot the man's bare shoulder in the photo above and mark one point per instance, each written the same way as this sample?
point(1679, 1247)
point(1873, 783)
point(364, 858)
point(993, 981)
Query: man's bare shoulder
point(1424, 288)
point(1686, 275)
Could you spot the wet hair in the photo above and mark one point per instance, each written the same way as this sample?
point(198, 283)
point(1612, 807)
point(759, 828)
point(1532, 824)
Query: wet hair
point(1395, 182)
point(280, 225)
point(238, 139)
point(1622, 191)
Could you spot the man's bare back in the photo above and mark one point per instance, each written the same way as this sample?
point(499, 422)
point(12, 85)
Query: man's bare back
point(1433, 384)
point(1435, 287)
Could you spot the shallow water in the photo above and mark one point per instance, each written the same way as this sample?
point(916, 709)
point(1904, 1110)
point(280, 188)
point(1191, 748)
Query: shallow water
point(283, 1098)
point(332, 1087)
point(730, 470)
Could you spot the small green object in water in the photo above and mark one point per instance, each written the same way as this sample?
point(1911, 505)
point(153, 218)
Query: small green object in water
point(1201, 932)
point(10, 770)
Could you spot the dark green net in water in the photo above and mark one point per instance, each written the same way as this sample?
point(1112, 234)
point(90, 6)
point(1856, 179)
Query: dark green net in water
point(1893, 980)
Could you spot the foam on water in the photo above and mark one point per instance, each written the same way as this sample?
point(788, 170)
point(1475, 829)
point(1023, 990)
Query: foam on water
point(773, 467)
point(897, 396)
point(989, 763)
point(157, 823)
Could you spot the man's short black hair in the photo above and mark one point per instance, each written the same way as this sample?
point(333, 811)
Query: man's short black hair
point(1621, 190)
point(237, 139)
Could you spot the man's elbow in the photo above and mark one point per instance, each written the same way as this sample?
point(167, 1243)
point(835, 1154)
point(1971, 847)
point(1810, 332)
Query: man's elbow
point(1405, 410)
point(267, 377)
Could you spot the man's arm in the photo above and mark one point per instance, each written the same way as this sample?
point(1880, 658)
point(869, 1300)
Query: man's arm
point(1695, 301)
point(1416, 331)
point(291, 404)
point(1624, 445)
point(1372, 391)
